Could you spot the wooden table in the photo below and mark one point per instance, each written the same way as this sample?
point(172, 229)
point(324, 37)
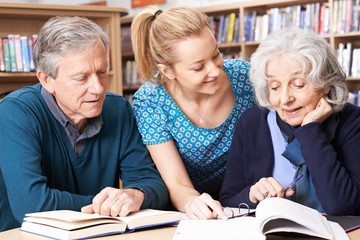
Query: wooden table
point(159, 233)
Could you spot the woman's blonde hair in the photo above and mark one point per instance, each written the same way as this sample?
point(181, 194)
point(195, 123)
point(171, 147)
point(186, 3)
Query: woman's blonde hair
point(154, 35)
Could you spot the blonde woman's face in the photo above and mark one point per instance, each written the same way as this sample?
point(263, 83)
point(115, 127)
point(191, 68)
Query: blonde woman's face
point(291, 95)
point(199, 63)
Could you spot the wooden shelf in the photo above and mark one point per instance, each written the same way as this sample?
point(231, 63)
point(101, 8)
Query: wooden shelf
point(27, 19)
point(263, 6)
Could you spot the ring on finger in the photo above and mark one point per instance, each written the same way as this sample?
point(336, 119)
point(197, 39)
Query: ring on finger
point(265, 194)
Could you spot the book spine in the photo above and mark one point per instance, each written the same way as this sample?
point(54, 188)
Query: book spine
point(2, 59)
point(225, 30)
point(31, 57)
point(221, 26)
point(348, 15)
point(25, 53)
point(18, 53)
point(7, 54)
point(230, 34)
point(12, 53)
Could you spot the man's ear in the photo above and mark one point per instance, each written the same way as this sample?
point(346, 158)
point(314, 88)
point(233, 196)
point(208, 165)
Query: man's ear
point(166, 70)
point(46, 81)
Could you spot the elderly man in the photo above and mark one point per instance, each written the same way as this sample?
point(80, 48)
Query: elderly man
point(65, 141)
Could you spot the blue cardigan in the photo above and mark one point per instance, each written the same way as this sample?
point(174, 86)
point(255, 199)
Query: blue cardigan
point(334, 166)
point(40, 170)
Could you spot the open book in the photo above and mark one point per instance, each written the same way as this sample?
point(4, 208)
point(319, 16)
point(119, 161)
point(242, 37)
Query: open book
point(273, 215)
point(66, 224)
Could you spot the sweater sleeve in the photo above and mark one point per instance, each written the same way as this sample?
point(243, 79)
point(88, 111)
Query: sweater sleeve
point(334, 165)
point(21, 163)
point(137, 168)
point(246, 162)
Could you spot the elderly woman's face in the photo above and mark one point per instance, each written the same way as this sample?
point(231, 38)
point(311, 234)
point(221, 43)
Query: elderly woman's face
point(290, 94)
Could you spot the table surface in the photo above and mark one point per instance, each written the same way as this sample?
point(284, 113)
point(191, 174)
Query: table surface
point(158, 233)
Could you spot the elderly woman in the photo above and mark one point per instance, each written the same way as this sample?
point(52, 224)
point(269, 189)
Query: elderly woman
point(303, 126)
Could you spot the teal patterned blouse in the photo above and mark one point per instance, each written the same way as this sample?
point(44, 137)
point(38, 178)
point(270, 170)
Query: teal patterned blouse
point(204, 151)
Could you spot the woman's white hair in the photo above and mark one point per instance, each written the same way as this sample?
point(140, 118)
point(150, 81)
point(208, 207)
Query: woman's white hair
point(309, 49)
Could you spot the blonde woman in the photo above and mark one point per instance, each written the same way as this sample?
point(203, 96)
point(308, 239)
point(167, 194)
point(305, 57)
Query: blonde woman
point(188, 107)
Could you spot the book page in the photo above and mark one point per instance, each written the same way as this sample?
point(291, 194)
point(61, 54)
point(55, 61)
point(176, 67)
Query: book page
point(74, 225)
point(147, 217)
point(67, 215)
point(283, 215)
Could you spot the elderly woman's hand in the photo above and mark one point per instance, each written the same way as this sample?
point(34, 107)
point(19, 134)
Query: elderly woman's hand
point(268, 187)
point(321, 112)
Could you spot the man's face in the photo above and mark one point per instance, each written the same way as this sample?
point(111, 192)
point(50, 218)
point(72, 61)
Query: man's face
point(80, 86)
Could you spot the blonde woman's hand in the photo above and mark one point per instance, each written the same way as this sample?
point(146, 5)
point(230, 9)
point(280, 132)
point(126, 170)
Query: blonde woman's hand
point(205, 207)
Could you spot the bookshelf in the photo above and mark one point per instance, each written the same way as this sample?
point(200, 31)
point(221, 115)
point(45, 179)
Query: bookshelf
point(245, 46)
point(27, 19)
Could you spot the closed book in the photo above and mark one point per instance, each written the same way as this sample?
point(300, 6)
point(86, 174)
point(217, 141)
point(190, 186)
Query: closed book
point(6, 49)
point(31, 56)
point(25, 53)
point(2, 58)
point(18, 54)
point(67, 224)
point(231, 27)
point(12, 52)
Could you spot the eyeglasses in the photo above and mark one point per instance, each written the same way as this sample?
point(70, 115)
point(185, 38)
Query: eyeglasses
point(241, 208)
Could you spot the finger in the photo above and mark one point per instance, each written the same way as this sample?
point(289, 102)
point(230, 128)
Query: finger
point(116, 208)
point(254, 195)
point(289, 192)
point(88, 209)
point(125, 210)
point(273, 188)
point(201, 211)
point(113, 198)
point(199, 208)
point(214, 206)
point(99, 199)
point(217, 209)
point(191, 215)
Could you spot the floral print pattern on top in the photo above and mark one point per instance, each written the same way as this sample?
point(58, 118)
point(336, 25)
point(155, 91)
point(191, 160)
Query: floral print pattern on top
point(203, 151)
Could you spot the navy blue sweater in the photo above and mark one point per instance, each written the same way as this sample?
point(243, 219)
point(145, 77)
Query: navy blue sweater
point(334, 166)
point(40, 170)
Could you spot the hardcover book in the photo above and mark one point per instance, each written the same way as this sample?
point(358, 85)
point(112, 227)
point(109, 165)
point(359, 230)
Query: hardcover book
point(67, 224)
point(272, 216)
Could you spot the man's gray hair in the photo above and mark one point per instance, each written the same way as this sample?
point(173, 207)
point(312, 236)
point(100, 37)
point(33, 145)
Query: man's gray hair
point(61, 36)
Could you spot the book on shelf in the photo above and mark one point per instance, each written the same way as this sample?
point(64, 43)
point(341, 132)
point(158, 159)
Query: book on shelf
point(25, 53)
point(67, 224)
point(18, 54)
point(272, 216)
point(7, 59)
point(346, 16)
point(12, 52)
point(30, 42)
point(2, 58)
point(230, 34)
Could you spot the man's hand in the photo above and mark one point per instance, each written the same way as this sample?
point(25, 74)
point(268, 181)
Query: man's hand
point(116, 202)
